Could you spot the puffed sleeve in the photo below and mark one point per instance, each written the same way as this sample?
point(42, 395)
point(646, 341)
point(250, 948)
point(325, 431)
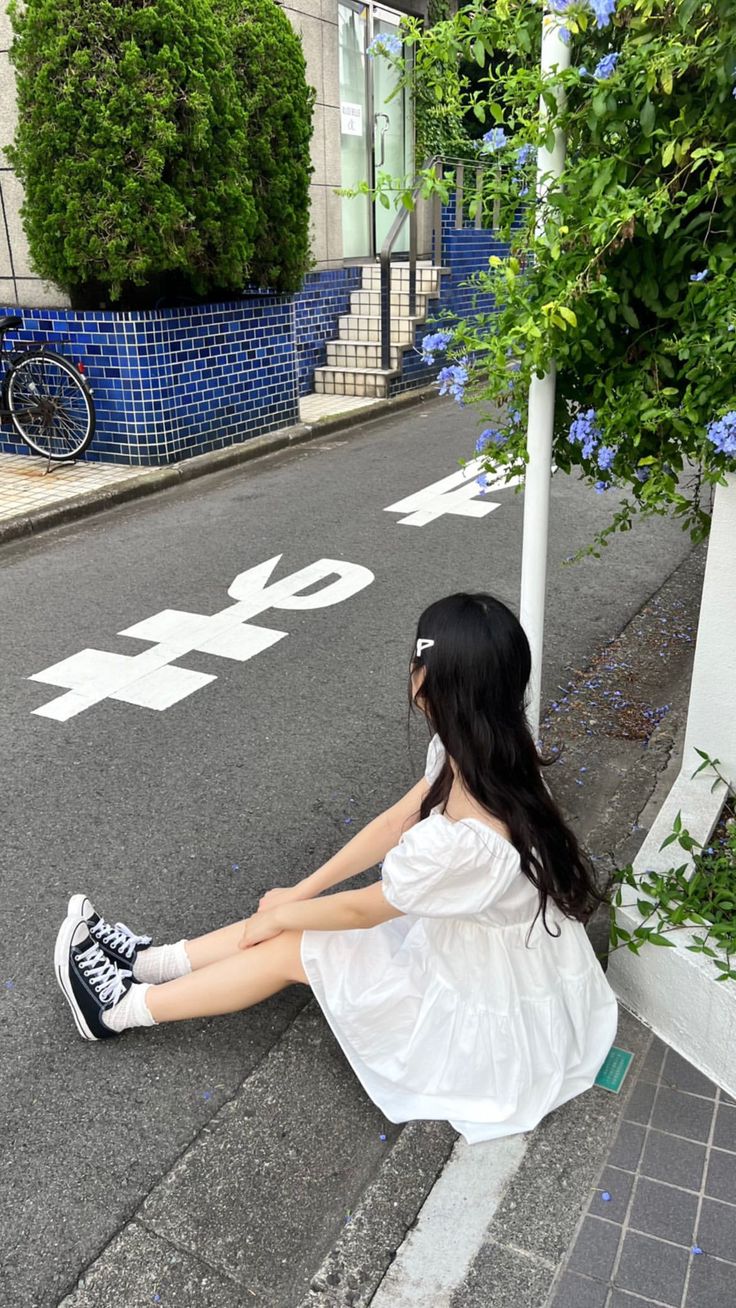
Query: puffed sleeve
point(447, 870)
point(435, 759)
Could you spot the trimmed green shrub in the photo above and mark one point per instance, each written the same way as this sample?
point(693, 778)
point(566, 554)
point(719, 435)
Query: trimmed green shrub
point(271, 74)
point(130, 146)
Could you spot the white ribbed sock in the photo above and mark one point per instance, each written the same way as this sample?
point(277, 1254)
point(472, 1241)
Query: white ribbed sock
point(132, 1010)
point(162, 963)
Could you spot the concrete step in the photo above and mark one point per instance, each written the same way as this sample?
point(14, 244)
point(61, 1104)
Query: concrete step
point(359, 327)
point(428, 278)
point(373, 383)
point(348, 353)
point(369, 302)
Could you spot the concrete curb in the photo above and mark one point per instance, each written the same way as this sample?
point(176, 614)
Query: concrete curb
point(93, 501)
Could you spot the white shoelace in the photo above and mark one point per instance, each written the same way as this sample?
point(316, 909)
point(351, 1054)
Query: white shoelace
point(103, 975)
point(119, 937)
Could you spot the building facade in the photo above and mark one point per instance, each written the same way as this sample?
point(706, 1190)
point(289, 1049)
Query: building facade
point(359, 127)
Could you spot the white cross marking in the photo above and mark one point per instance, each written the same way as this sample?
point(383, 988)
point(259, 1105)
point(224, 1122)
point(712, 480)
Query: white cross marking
point(149, 680)
point(454, 494)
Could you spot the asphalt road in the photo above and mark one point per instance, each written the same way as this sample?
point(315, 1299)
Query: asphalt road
point(175, 821)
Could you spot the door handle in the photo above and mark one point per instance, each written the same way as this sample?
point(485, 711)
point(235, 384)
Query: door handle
point(382, 129)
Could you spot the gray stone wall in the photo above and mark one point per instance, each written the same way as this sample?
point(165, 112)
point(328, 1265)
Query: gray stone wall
point(316, 21)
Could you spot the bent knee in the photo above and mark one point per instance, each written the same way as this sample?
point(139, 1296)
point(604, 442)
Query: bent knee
point(292, 946)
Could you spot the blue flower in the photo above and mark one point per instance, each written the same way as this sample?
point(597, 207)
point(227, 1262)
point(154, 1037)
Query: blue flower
point(386, 43)
point(699, 276)
point(643, 474)
point(489, 437)
point(584, 432)
point(495, 139)
point(453, 379)
point(523, 154)
point(606, 455)
point(606, 66)
point(722, 433)
point(432, 344)
point(601, 486)
point(603, 10)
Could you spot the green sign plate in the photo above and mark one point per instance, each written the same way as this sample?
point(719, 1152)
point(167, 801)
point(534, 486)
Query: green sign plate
point(614, 1069)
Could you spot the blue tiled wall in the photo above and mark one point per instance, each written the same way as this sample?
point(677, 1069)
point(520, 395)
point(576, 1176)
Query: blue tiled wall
point(323, 299)
point(176, 382)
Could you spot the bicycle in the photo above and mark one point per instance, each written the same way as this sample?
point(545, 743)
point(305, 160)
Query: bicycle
point(47, 399)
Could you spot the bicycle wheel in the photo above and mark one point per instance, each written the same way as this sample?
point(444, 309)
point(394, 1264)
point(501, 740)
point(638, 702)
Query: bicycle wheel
point(50, 405)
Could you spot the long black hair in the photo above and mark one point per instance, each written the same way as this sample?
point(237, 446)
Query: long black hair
point(473, 694)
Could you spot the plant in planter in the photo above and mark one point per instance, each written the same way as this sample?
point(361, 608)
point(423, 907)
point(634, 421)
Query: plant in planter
point(700, 892)
point(130, 147)
point(625, 275)
point(270, 72)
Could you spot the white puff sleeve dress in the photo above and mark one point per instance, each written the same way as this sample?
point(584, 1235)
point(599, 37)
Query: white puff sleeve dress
point(444, 1012)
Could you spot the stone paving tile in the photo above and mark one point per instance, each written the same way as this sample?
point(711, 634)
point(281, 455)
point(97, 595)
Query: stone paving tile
point(717, 1229)
point(682, 1114)
point(596, 1247)
point(575, 1291)
point(720, 1181)
point(712, 1284)
point(627, 1146)
point(663, 1210)
point(652, 1267)
point(640, 1102)
point(724, 1136)
point(666, 1234)
point(617, 1185)
point(25, 485)
point(668, 1158)
point(680, 1074)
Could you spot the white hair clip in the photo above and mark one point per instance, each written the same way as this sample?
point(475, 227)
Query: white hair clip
point(422, 645)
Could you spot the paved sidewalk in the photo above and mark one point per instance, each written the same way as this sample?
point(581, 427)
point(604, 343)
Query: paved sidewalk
point(659, 1226)
point(27, 485)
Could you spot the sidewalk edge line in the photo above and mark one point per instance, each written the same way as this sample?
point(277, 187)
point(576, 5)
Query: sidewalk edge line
point(90, 502)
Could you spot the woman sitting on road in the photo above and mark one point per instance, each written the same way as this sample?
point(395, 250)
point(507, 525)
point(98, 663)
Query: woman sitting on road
point(461, 985)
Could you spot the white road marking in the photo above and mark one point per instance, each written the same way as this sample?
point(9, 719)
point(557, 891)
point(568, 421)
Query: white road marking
point(454, 494)
point(150, 681)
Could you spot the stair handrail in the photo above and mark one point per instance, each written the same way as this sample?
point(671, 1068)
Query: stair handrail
point(435, 161)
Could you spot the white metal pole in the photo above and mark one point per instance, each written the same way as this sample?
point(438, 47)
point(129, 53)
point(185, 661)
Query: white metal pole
point(555, 52)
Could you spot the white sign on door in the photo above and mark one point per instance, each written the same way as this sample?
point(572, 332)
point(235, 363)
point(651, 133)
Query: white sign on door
point(351, 116)
point(454, 494)
point(149, 679)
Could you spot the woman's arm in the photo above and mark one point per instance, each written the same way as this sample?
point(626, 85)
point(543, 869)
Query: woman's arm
point(349, 910)
point(369, 846)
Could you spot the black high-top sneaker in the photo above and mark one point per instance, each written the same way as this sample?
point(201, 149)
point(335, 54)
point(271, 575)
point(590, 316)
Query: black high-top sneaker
point(91, 982)
point(115, 939)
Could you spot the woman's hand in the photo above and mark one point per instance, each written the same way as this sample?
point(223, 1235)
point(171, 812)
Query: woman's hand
point(281, 895)
point(261, 926)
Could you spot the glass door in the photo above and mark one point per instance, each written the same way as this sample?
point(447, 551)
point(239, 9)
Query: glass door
point(355, 113)
point(392, 127)
point(376, 132)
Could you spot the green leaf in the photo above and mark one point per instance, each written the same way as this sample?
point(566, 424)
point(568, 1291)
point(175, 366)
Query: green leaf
point(667, 154)
point(647, 116)
point(479, 53)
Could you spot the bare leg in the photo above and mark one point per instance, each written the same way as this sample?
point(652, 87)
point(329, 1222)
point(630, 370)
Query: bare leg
point(243, 978)
point(215, 945)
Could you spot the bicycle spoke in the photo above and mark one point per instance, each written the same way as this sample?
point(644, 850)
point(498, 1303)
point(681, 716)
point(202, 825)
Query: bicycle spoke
point(50, 406)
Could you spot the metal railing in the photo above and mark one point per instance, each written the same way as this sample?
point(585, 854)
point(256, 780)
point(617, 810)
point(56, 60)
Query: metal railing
point(439, 163)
